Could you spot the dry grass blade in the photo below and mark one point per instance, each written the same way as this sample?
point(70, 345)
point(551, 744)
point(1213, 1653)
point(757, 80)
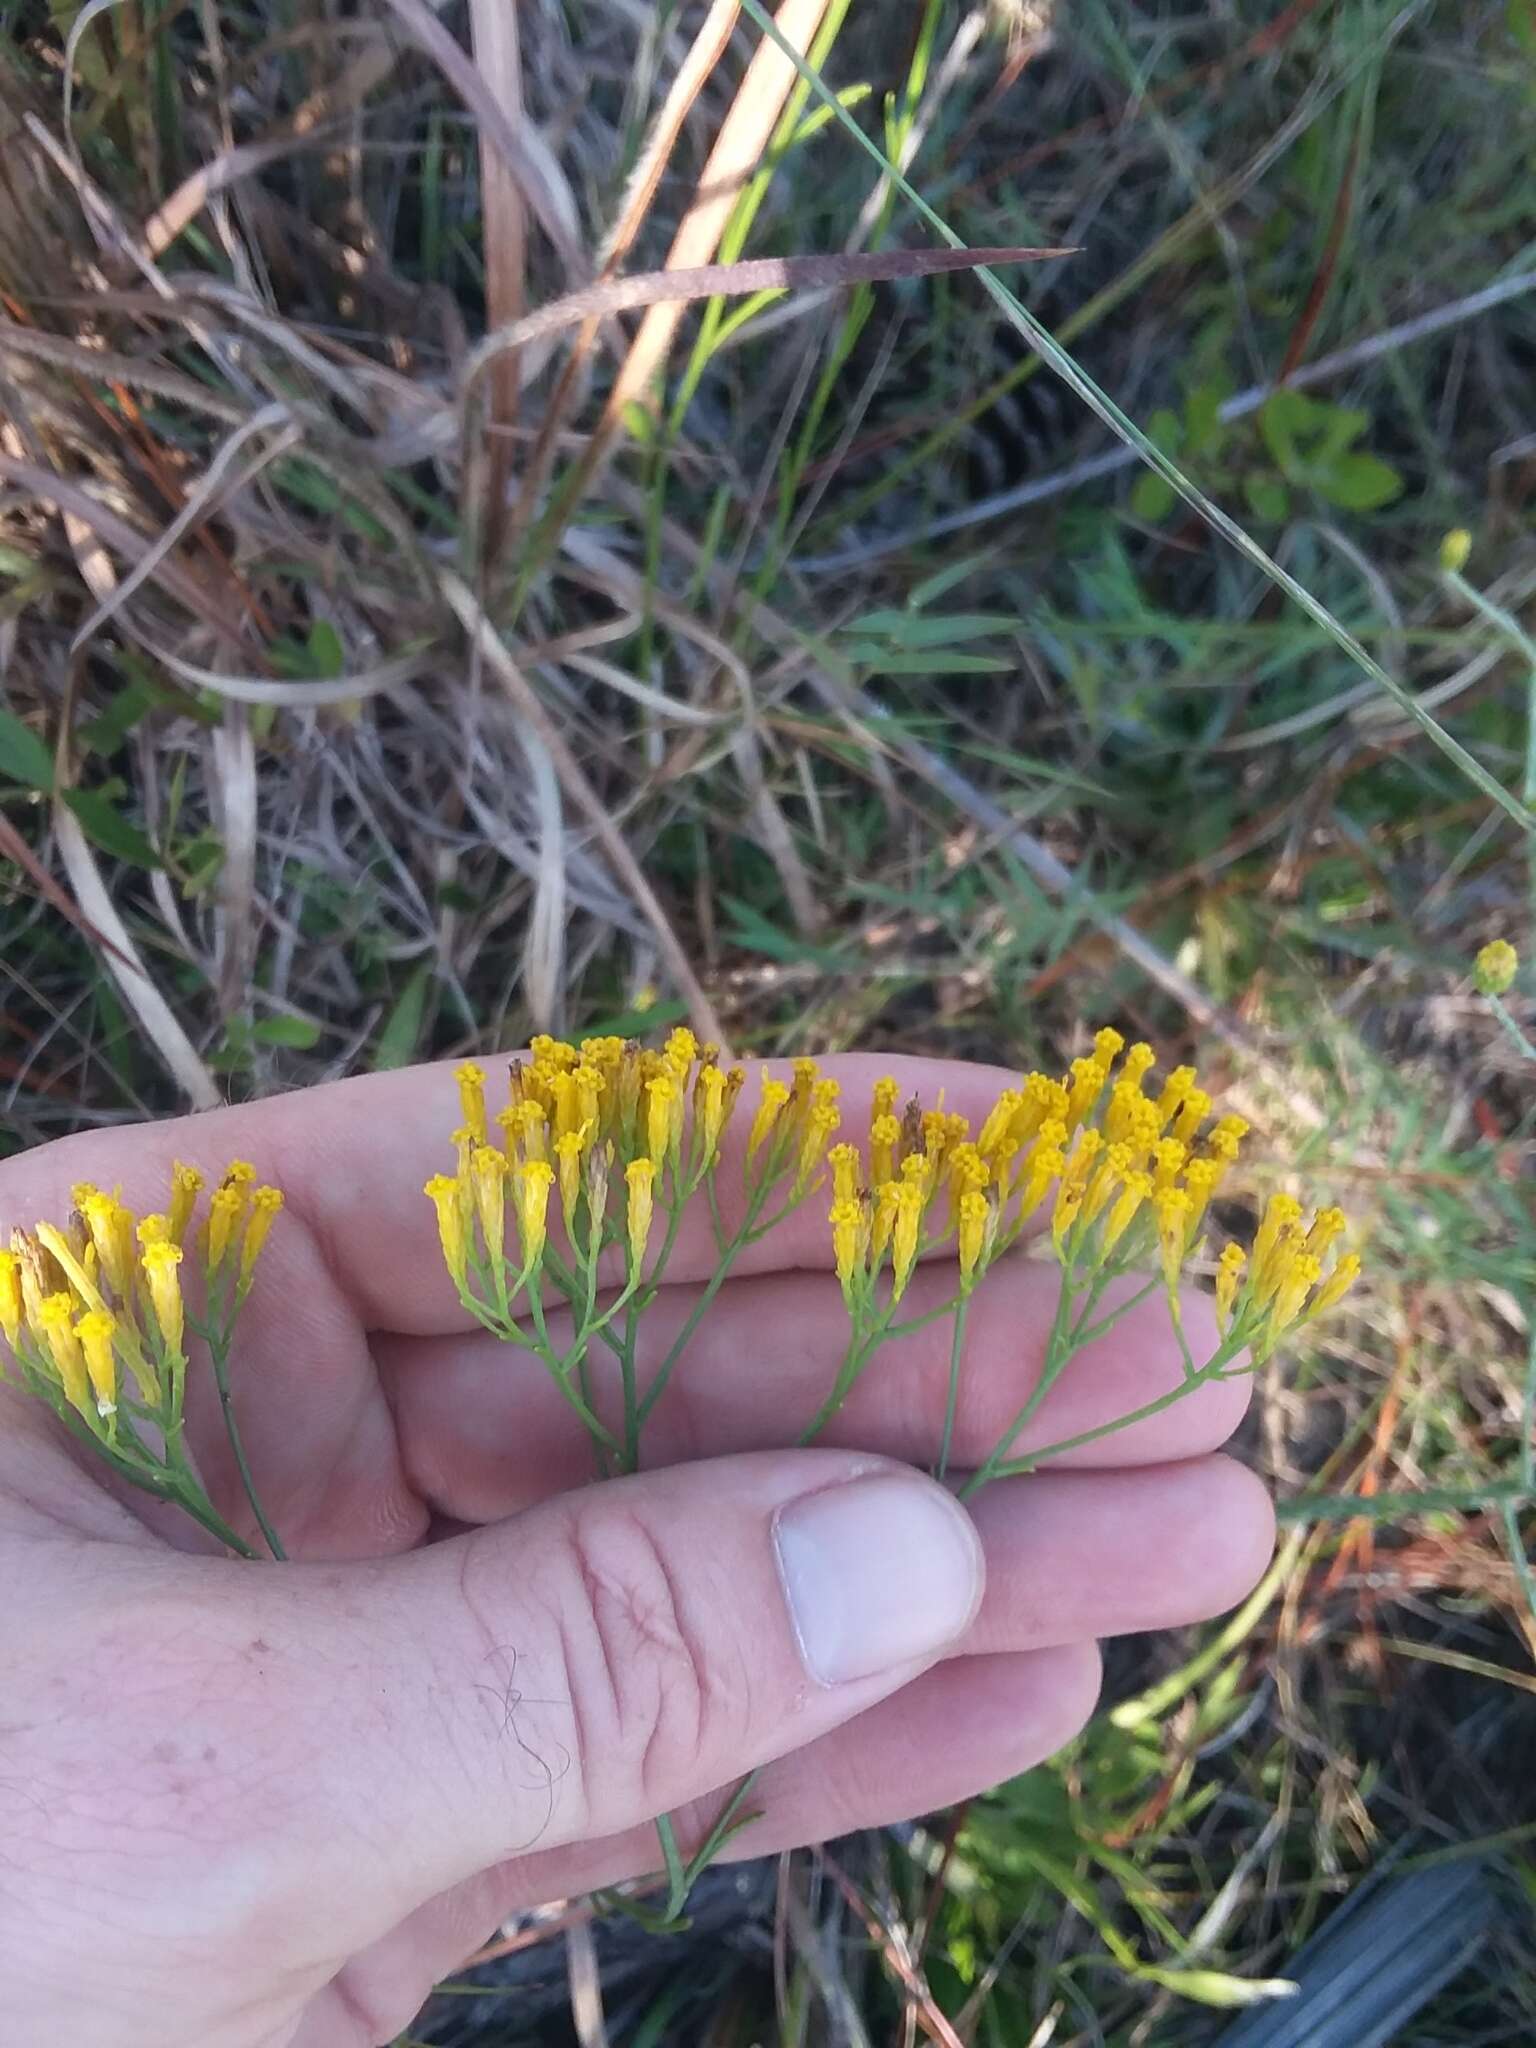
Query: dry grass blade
point(487, 642)
point(493, 32)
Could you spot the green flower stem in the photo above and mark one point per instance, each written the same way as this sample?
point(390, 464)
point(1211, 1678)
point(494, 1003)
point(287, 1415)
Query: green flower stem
point(1013, 1468)
point(1501, 1011)
point(561, 1377)
point(861, 1348)
point(631, 1455)
point(218, 1351)
point(1058, 1349)
point(952, 1399)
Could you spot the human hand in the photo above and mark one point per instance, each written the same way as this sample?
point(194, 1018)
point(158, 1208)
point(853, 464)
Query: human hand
point(247, 1807)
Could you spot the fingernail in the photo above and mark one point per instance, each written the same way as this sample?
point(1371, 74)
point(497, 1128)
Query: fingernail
point(877, 1572)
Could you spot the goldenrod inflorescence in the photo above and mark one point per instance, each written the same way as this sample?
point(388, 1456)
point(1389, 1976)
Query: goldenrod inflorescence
point(92, 1307)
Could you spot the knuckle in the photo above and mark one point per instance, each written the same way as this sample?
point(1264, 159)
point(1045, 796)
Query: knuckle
point(650, 1690)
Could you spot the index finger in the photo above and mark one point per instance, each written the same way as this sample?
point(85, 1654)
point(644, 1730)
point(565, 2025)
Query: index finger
point(351, 1158)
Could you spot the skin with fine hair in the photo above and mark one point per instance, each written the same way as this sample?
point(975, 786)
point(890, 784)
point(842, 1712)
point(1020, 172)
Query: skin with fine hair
point(266, 1806)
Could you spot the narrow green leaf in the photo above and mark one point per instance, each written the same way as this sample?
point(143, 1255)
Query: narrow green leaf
point(23, 756)
point(112, 832)
point(397, 1042)
point(299, 1032)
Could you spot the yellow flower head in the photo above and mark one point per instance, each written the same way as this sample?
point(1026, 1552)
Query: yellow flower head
point(640, 1182)
point(1454, 550)
point(155, 1230)
point(1281, 1213)
point(570, 1152)
point(57, 1331)
point(1168, 1157)
point(847, 1218)
point(884, 1139)
point(447, 1194)
point(661, 1092)
point(95, 1331)
point(224, 1213)
point(770, 1107)
point(1175, 1090)
point(1108, 1045)
point(969, 1174)
point(186, 1186)
point(111, 1228)
point(265, 1206)
point(1302, 1276)
point(531, 1183)
point(1109, 1174)
point(1192, 1114)
point(997, 1125)
point(1229, 1278)
point(1084, 1087)
point(1139, 1062)
point(10, 1298)
point(825, 1117)
point(1200, 1177)
point(904, 1235)
point(1495, 968)
point(1072, 1187)
point(1047, 1162)
point(527, 1129)
point(1173, 1208)
point(1336, 1286)
point(847, 1172)
point(1137, 1188)
point(882, 1099)
point(1327, 1224)
point(971, 1233)
point(711, 1105)
point(488, 1192)
point(471, 1080)
point(887, 1196)
point(1045, 1101)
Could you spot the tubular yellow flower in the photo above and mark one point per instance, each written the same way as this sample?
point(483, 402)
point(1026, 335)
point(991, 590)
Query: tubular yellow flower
point(35, 1273)
point(463, 1142)
point(1336, 1286)
point(487, 1183)
point(569, 1152)
point(884, 1137)
point(1230, 1129)
point(1136, 1190)
point(1108, 1045)
point(1172, 1206)
point(1193, 1112)
point(847, 1172)
point(1282, 1212)
point(660, 1094)
point(266, 1204)
point(10, 1298)
point(1045, 1101)
point(909, 1213)
point(681, 1049)
point(709, 1112)
point(447, 1195)
point(555, 1055)
point(846, 1217)
point(527, 1129)
point(1168, 1157)
point(975, 1215)
point(224, 1213)
point(1072, 1187)
point(969, 1174)
point(76, 1271)
point(599, 1167)
point(238, 1174)
point(1139, 1062)
point(997, 1126)
point(1495, 968)
point(186, 1186)
point(589, 1097)
point(770, 1107)
point(1175, 1090)
point(1107, 1175)
point(531, 1185)
point(1304, 1274)
point(111, 1228)
point(1275, 1270)
point(154, 1230)
point(471, 1080)
point(941, 1131)
point(1084, 1089)
point(57, 1333)
point(882, 1100)
point(824, 1119)
point(1229, 1278)
point(887, 1195)
point(1200, 1178)
point(640, 1182)
point(1327, 1224)
point(1124, 1113)
point(95, 1331)
point(1046, 1163)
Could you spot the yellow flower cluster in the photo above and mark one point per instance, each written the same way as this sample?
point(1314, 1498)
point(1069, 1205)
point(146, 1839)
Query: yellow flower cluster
point(601, 1118)
point(1495, 968)
point(1133, 1169)
point(84, 1303)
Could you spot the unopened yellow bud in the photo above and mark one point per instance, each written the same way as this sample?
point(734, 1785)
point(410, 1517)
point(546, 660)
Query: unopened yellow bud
point(846, 1217)
point(488, 1192)
point(111, 1228)
point(186, 1186)
point(660, 1094)
point(448, 1194)
point(770, 1107)
point(711, 1102)
point(1336, 1286)
point(266, 1204)
point(532, 1182)
point(224, 1213)
point(1454, 550)
point(971, 1233)
point(95, 1330)
point(904, 1235)
point(1136, 1190)
point(640, 1181)
point(10, 1298)
point(570, 1151)
point(1172, 1206)
point(1495, 968)
point(57, 1333)
point(1229, 1278)
point(887, 1196)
